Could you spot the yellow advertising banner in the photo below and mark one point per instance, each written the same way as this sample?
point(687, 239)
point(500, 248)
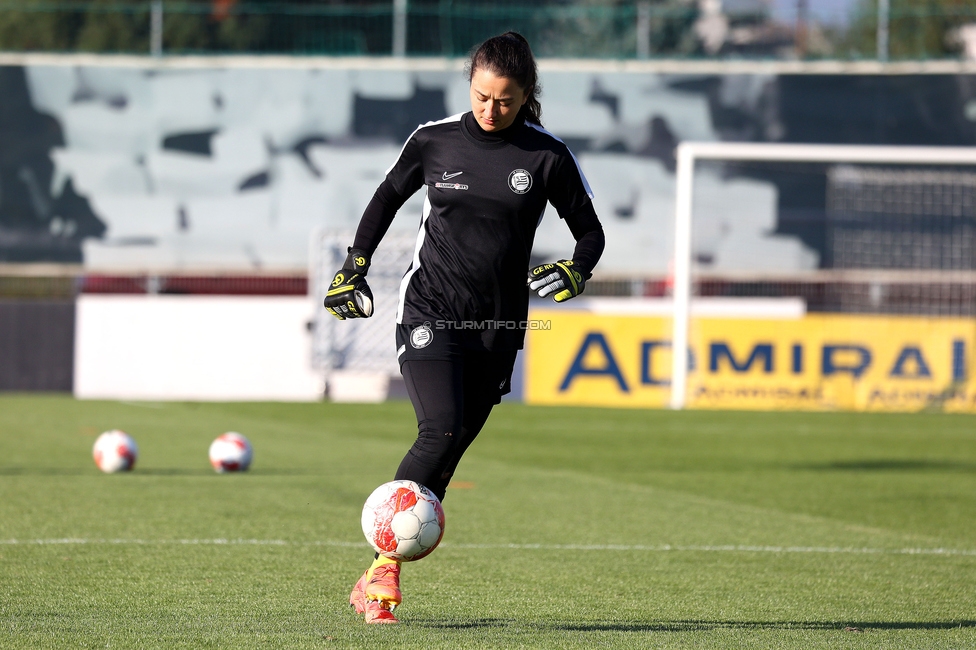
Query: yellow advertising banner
point(817, 362)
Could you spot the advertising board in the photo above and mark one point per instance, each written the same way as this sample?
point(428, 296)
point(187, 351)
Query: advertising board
point(815, 362)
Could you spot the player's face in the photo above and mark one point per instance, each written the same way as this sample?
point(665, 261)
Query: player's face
point(495, 101)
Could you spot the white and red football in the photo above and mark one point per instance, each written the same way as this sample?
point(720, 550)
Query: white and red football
point(403, 520)
point(115, 451)
point(231, 452)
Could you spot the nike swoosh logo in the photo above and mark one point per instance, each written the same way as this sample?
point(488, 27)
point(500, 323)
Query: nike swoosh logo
point(448, 177)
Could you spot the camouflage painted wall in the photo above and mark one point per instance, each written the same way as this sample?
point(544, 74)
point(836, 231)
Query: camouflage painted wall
point(217, 165)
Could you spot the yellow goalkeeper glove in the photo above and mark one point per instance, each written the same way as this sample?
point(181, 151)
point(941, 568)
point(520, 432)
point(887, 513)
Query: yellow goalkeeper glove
point(349, 296)
point(562, 279)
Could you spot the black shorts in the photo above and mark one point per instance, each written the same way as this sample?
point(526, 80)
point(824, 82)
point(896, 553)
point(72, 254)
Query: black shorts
point(425, 342)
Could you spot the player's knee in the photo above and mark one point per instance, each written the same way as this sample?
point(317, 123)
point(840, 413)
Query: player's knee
point(437, 438)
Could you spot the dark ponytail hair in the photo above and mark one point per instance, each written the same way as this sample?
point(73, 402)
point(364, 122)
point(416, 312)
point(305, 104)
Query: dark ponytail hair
point(510, 56)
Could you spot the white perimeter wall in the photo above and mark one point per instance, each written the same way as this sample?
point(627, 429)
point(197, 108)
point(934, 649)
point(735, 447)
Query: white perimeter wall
point(194, 348)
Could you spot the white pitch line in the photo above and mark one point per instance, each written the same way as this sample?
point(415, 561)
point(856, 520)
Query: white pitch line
point(725, 548)
point(662, 548)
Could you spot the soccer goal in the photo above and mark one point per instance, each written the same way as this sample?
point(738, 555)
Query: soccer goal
point(877, 242)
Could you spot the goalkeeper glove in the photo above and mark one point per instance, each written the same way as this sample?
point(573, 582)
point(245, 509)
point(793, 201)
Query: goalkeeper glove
point(562, 278)
point(349, 295)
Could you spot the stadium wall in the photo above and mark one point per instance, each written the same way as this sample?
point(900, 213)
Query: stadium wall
point(194, 348)
point(36, 345)
point(744, 354)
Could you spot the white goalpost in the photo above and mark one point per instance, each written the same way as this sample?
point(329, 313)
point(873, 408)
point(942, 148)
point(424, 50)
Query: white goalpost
point(688, 153)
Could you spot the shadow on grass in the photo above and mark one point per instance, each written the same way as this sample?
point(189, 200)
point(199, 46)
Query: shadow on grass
point(179, 471)
point(45, 471)
point(692, 625)
point(91, 471)
point(147, 471)
point(687, 626)
point(464, 625)
point(889, 465)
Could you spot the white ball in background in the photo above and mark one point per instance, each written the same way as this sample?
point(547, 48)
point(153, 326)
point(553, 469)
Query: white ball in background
point(231, 452)
point(115, 451)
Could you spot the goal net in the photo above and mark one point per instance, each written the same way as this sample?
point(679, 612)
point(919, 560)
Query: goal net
point(358, 345)
point(845, 277)
point(901, 219)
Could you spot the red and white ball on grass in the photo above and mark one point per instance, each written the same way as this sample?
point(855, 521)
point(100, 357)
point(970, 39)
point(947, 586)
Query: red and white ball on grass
point(115, 451)
point(231, 452)
point(403, 520)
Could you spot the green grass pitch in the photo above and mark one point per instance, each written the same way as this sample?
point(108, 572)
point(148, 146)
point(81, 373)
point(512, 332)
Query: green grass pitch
point(568, 528)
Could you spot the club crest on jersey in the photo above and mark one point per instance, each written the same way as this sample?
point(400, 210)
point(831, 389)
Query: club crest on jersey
point(421, 336)
point(520, 181)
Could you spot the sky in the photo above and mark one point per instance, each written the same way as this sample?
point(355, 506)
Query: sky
point(836, 12)
point(823, 11)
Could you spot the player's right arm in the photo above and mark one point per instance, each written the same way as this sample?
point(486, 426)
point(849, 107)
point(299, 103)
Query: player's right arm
point(349, 296)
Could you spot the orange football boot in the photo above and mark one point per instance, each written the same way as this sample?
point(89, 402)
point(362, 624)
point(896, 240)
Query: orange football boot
point(384, 583)
point(378, 611)
point(357, 599)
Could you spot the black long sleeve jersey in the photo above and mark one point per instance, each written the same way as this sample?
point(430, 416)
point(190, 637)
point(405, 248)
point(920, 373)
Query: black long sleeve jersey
point(486, 194)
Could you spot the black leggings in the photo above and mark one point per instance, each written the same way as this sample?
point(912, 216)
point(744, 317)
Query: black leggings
point(452, 399)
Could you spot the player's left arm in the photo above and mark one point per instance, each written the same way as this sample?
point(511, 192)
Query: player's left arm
point(590, 239)
point(571, 196)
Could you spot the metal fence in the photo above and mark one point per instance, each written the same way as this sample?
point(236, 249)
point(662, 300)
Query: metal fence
point(439, 28)
point(886, 29)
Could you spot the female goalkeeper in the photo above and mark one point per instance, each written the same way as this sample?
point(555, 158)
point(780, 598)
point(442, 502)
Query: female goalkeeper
point(461, 317)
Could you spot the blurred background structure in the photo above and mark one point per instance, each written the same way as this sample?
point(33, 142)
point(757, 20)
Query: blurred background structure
point(186, 150)
point(617, 29)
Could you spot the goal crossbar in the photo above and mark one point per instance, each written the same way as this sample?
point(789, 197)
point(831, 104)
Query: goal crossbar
point(690, 152)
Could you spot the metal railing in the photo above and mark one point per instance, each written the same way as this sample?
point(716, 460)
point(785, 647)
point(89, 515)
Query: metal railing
point(382, 28)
